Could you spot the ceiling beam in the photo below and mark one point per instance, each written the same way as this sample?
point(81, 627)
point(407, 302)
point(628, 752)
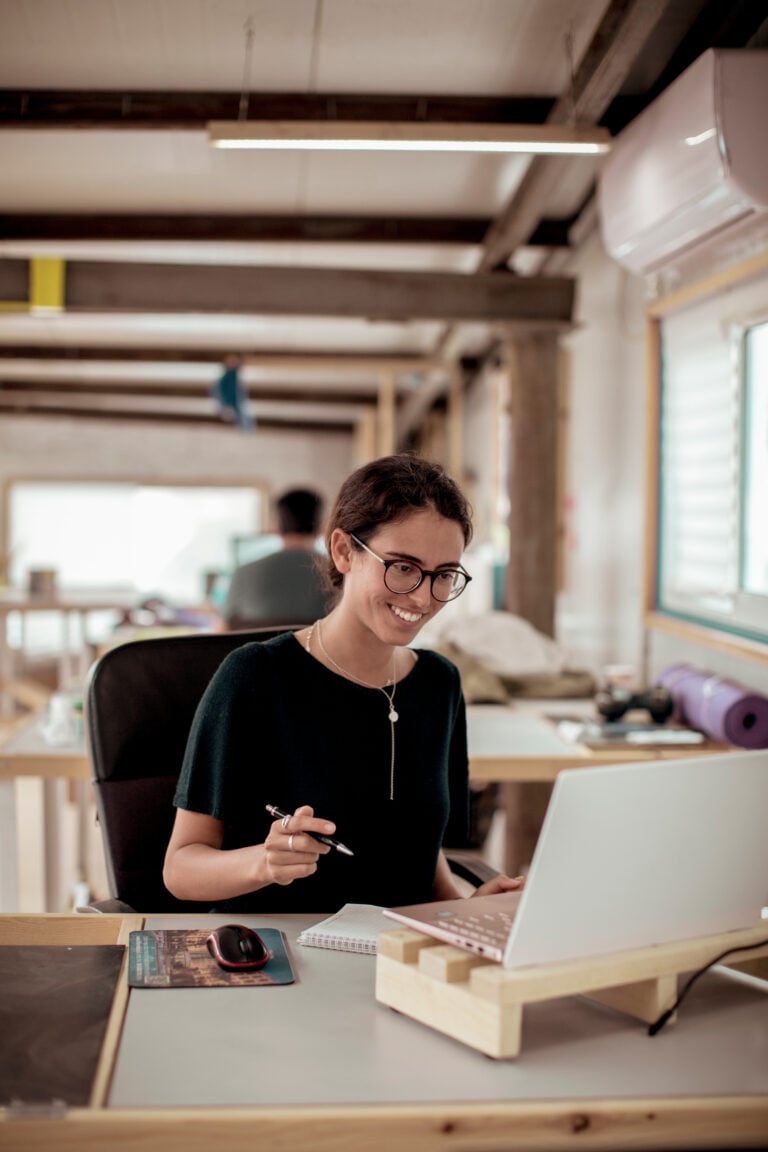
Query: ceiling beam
point(241, 227)
point(267, 359)
point(394, 296)
point(20, 406)
point(101, 389)
point(551, 232)
point(116, 109)
point(623, 32)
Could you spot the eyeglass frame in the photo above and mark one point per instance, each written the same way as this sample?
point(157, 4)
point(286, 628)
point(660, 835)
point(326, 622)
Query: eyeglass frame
point(424, 572)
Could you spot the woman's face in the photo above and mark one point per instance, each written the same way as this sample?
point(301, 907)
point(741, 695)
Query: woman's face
point(425, 538)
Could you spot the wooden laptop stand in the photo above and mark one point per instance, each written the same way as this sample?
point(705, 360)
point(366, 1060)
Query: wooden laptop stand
point(480, 1003)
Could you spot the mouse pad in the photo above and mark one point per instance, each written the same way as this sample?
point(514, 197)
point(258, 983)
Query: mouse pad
point(179, 958)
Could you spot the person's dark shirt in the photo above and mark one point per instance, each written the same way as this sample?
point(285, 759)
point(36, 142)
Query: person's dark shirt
point(284, 588)
point(277, 727)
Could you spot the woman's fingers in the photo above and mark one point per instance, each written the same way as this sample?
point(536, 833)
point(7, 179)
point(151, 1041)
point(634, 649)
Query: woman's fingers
point(500, 883)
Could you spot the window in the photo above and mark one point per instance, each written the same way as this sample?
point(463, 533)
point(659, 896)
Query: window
point(755, 439)
point(144, 538)
point(713, 499)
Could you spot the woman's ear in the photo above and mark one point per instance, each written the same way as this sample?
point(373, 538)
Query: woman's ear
point(341, 550)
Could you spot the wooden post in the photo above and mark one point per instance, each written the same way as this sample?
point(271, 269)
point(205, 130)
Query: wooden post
point(386, 414)
point(455, 461)
point(531, 578)
point(365, 437)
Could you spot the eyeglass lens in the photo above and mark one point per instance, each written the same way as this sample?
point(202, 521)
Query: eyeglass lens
point(403, 577)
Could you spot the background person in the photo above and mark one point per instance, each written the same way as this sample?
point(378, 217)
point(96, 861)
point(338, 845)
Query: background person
point(341, 725)
point(288, 586)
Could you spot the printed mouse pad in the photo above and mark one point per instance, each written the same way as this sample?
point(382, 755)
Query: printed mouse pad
point(179, 958)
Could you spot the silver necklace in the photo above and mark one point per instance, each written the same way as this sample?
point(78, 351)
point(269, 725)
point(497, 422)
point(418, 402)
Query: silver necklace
point(389, 696)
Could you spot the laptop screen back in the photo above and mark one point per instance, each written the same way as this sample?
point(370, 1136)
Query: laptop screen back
point(637, 854)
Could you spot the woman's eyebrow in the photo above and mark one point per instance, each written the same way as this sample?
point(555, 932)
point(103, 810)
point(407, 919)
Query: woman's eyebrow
point(416, 560)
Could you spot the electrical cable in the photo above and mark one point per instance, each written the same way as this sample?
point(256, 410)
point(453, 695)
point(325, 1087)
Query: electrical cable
point(662, 1020)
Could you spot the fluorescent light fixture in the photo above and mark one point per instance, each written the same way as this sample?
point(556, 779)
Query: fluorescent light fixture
point(411, 136)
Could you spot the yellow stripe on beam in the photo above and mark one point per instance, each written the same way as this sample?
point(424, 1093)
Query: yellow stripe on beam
point(46, 283)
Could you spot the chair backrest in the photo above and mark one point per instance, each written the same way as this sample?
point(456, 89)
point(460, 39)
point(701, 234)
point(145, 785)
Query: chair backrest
point(140, 701)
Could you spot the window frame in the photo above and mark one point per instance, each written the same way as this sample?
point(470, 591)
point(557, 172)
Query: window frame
point(710, 631)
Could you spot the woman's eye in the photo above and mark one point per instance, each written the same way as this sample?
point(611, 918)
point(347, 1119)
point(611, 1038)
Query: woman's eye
point(446, 578)
point(404, 569)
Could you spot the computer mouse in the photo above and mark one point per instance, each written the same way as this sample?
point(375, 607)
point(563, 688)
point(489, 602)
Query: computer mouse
point(237, 947)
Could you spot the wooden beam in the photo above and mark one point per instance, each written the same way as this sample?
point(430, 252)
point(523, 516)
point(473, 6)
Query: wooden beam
point(116, 109)
point(550, 232)
point(269, 359)
point(266, 423)
point(101, 286)
point(288, 394)
point(625, 29)
point(248, 228)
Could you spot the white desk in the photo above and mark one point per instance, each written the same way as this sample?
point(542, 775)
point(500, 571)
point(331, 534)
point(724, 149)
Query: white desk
point(519, 748)
point(71, 607)
point(25, 752)
point(321, 1065)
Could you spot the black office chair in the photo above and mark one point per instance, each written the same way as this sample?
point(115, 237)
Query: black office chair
point(141, 698)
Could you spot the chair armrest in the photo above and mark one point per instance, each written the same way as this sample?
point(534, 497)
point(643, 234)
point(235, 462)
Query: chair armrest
point(470, 868)
point(105, 906)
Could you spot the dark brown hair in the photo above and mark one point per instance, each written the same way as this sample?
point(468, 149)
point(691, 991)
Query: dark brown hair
point(299, 511)
point(386, 490)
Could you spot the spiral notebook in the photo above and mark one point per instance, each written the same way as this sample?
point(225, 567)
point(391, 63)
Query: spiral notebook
point(354, 928)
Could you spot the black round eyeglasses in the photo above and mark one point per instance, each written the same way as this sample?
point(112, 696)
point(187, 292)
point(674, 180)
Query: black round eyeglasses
point(403, 576)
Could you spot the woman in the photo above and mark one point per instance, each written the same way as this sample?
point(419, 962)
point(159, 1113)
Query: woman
point(341, 725)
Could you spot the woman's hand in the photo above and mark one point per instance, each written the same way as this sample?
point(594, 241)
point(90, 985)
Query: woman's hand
point(498, 884)
point(290, 853)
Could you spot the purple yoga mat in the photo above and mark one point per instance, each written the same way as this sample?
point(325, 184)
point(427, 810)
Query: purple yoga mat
point(723, 709)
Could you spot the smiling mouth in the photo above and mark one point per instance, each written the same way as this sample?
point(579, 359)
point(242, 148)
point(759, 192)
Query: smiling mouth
point(408, 617)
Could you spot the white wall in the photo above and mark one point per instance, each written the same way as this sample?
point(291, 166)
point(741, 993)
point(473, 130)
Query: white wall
point(599, 616)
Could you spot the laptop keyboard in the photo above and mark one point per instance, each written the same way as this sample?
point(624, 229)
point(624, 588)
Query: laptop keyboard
point(486, 927)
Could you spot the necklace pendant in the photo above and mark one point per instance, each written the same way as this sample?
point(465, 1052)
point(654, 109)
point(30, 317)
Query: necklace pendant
point(393, 716)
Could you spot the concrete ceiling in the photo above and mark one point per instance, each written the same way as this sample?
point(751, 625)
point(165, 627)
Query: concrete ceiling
point(327, 270)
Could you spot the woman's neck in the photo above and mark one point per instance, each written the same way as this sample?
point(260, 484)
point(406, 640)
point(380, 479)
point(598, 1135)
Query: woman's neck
point(358, 651)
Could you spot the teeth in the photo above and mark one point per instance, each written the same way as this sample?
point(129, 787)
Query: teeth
point(409, 617)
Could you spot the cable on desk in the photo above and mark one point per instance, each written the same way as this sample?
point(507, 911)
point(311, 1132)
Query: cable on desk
point(662, 1020)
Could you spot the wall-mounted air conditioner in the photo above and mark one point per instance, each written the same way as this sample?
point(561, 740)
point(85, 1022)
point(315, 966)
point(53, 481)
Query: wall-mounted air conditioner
point(692, 163)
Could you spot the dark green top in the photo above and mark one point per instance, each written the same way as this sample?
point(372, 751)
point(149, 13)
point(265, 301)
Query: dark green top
point(277, 727)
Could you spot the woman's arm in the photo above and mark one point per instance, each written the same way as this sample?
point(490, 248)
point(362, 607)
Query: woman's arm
point(445, 887)
point(197, 868)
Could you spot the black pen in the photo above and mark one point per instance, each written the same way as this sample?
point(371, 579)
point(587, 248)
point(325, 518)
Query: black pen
point(337, 844)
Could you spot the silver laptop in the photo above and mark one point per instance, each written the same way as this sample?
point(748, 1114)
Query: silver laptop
point(629, 855)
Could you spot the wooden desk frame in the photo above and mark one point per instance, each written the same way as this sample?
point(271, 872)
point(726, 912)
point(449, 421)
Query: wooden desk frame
point(684, 1122)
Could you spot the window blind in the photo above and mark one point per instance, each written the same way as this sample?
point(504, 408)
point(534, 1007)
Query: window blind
point(704, 501)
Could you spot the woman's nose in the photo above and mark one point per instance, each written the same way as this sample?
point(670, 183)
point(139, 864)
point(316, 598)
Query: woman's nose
point(423, 594)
